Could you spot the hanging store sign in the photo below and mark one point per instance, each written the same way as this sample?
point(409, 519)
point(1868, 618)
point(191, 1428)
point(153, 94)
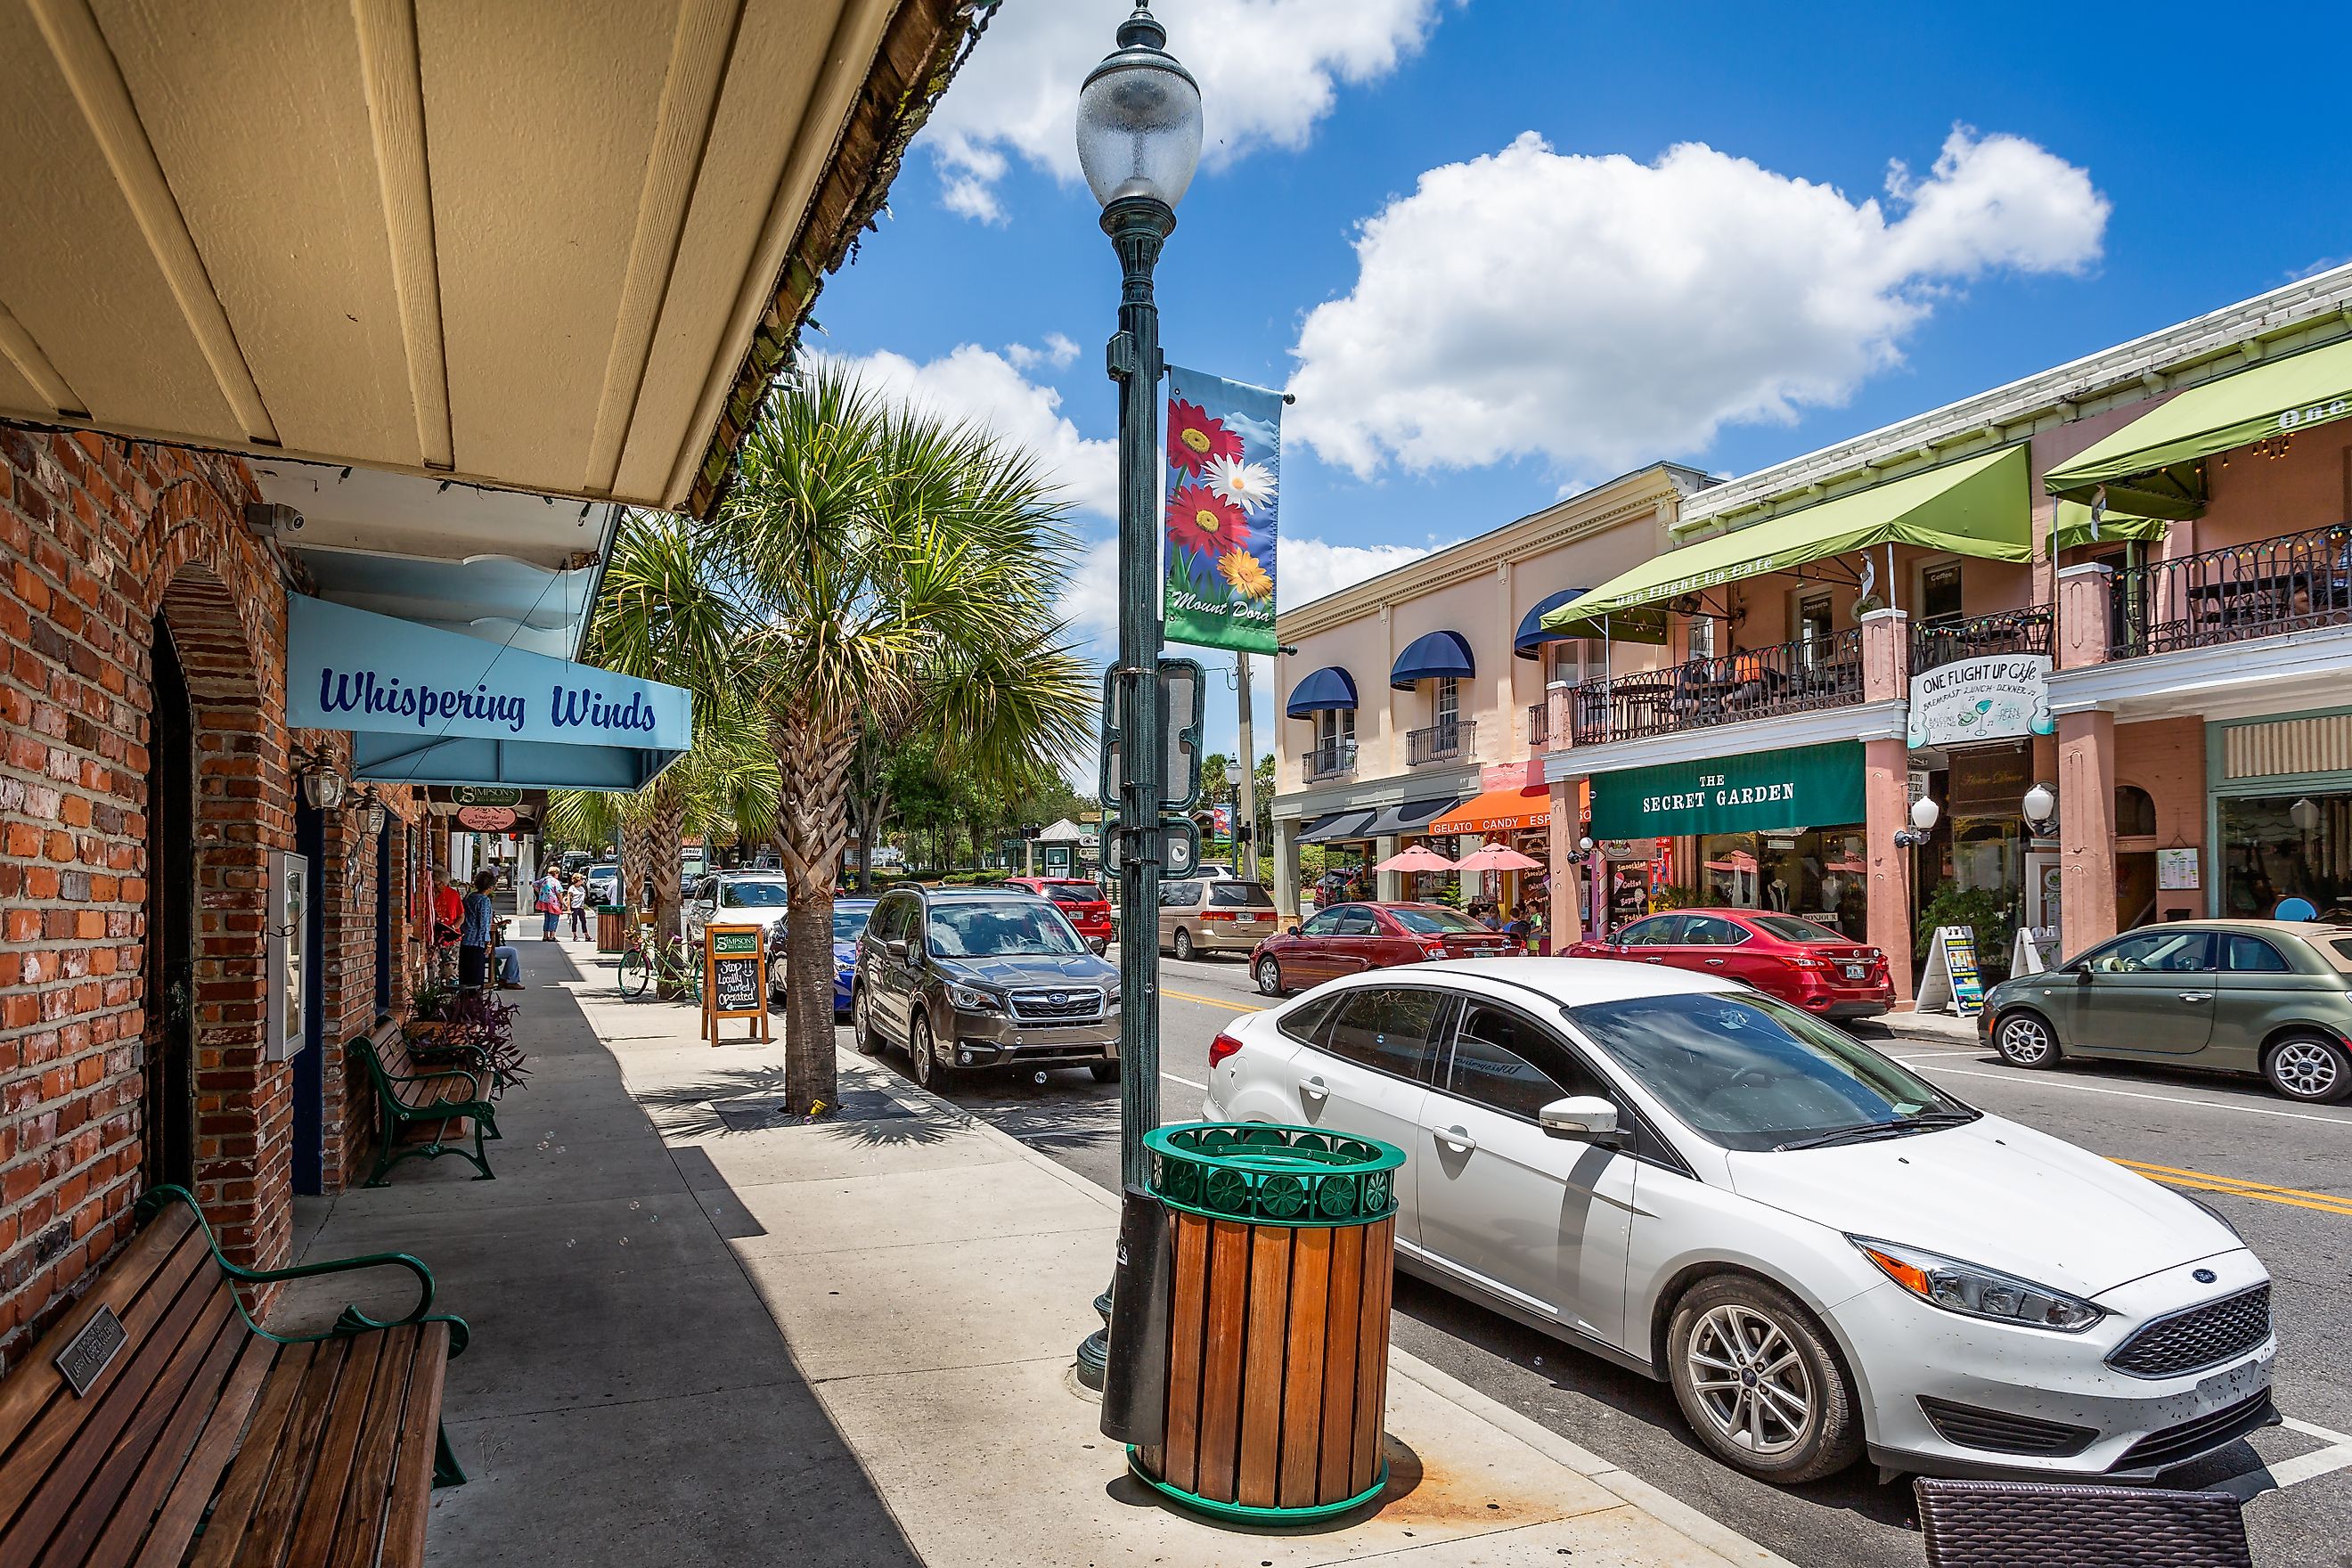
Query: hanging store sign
point(1804, 787)
point(1224, 465)
point(485, 794)
point(486, 818)
point(1996, 697)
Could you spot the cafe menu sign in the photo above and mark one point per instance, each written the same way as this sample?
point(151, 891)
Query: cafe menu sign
point(1992, 697)
point(1802, 787)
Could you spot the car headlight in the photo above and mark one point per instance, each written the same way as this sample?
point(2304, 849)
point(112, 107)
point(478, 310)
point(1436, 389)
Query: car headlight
point(972, 999)
point(1975, 1291)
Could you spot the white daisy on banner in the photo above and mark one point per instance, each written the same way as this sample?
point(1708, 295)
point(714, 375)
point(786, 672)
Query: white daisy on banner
point(1249, 486)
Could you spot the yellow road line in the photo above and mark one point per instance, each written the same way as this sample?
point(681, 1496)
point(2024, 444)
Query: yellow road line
point(2206, 1181)
point(1214, 1000)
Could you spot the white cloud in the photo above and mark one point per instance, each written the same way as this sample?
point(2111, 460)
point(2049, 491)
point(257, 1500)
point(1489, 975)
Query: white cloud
point(1602, 313)
point(1089, 601)
point(1058, 351)
point(987, 388)
point(1310, 569)
point(1268, 70)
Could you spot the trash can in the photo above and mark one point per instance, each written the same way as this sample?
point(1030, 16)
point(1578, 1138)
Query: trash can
point(1281, 1263)
point(612, 932)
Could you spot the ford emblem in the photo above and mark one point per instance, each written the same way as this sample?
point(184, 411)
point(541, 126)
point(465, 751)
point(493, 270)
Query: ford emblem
point(2204, 1277)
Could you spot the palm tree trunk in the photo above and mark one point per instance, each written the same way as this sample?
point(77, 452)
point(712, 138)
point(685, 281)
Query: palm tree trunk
point(812, 753)
point(665, 829)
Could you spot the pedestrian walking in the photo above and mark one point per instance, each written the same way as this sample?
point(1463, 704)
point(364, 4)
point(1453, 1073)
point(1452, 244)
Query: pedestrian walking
point(576, 899)
point(550, 905)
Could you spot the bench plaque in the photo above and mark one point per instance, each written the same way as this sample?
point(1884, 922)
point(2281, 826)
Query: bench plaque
point(90, 1351)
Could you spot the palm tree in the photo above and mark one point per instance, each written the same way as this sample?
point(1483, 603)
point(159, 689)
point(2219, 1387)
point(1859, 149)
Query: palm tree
point(901, 572)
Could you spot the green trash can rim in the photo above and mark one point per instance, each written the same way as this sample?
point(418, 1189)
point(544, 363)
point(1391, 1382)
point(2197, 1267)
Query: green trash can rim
point(1273, 1174)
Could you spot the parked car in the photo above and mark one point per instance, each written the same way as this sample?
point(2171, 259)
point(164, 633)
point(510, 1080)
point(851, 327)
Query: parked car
point(849, 917)
point(736, 898)
point(969, 977)
point(1347, 938)
point(2272, 997)
point(1825, 1256)
point(1077, 897)
point(1211, 915)
point(604, 884)
point(1797, 960)
point(1213, 871)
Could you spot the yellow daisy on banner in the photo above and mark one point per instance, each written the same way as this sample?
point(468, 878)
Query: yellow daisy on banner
point(1242, 569)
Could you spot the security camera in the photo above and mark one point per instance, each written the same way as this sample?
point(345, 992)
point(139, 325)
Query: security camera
point(270, 519)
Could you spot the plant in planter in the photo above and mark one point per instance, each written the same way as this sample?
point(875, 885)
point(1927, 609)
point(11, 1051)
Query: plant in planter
point(480, 1026)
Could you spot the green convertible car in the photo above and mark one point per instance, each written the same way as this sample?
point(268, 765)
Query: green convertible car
point(2272, 997)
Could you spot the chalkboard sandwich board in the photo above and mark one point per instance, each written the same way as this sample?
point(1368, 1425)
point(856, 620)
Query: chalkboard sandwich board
point(734, 978)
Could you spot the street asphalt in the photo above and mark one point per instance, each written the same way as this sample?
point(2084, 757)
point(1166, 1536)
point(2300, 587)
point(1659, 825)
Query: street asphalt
point(2277, 1169)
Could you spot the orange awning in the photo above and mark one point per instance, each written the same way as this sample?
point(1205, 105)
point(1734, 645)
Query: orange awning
point(1499, 811)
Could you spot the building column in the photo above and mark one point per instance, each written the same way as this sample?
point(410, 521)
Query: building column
point(2086, 830)
point(1285, 868)
point(1886, 811)
point(1567, 912)
point(1389, 885)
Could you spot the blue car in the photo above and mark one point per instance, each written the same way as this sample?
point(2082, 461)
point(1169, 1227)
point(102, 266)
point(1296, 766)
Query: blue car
point(849, 916)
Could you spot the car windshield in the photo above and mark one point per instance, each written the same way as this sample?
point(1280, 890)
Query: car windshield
point(1431, 920)
point(754, 895)
point(1749, 1072)
point(602, 870)
point(1007, 930)
point(848, 925)
point(1239, 896)
point(1789, 927)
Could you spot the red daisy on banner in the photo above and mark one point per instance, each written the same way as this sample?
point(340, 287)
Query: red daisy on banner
point(1194, 438)
point(1203, 522)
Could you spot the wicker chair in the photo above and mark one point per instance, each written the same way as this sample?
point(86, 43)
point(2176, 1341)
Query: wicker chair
point(2029, 1524)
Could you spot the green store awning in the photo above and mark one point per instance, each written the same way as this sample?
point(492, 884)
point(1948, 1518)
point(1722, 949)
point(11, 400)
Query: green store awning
point(2073, 526)
point(1981, 506)
point(2153, 455)
point(1759, 792)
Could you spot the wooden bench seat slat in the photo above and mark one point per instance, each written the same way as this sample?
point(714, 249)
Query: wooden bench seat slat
point(224, 1531)
point(165, 1543)
point(360, 1528)
point(404, 1532)
point(328, 1486)
point(25, 1395)
point(272, 1525)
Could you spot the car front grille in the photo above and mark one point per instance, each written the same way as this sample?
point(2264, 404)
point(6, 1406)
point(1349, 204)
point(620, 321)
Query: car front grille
point(1997, 1431)
point(2191, 1438)
point(1076, 1005)
point(2199, 1338)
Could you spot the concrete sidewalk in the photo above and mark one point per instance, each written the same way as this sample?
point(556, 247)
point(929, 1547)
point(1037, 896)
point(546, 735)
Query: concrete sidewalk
point(706, 1333)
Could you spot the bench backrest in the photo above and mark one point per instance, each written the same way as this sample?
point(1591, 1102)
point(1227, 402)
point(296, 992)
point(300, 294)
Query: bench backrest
point(123, 1470)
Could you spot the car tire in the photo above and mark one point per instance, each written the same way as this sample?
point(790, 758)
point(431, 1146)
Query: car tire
point(2308, 1066)
point(1269, 977)
point(776, 977)
point(862, 1032)
point(930, 1073)
point(1183, 944)
point(2025, 1039)
point(1733, 1335)
point(1104, 1072)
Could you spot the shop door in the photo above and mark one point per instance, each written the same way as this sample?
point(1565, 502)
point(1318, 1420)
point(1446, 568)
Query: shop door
point(309, 1069)
point(167, 1152)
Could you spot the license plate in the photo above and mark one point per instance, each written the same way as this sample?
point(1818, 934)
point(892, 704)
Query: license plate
point(1855, 971)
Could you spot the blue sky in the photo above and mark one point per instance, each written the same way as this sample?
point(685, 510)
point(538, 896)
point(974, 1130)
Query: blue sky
point(1460, 231)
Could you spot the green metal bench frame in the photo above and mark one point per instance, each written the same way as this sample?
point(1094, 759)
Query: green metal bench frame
point(398, 1113)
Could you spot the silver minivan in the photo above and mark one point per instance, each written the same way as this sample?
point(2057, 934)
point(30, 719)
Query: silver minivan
point(1201, 915)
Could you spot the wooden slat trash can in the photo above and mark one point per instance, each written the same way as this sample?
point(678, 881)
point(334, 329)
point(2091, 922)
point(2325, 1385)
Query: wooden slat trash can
point(1278, 1327)
point(612, 933)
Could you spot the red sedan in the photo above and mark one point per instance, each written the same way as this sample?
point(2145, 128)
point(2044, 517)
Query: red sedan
point(1077, 897)
point(1347, 938)
point(1800, 963)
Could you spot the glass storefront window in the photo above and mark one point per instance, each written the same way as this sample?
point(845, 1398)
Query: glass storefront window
point(2275, 847)
point(1820, 874)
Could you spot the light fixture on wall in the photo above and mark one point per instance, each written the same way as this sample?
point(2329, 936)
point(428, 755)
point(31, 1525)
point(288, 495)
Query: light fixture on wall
point(2304, 815)
point(322, 782)
point(2040, 804)
point(1585, 844)
point(372, 812)
point(1924, 814)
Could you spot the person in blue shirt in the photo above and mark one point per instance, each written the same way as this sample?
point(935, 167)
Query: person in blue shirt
point(476, 935)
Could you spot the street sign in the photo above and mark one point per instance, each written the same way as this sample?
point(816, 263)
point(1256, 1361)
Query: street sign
point(734, 978)
point(1181, 695)
point(1180, 847)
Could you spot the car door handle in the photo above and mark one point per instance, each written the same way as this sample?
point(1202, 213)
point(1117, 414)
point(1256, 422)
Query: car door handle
point(2196, 995)
point(1653, 961)
point(1717, 962)
point(1456, 1138)
point(1316, 1087)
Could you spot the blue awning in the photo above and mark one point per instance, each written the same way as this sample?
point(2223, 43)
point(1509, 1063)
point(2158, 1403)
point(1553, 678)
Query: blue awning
point(428, 706)
point(1329, 688)
point(1432, 656)
point(1532, 635)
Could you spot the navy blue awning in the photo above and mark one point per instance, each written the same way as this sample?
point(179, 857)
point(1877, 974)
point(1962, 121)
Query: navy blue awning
point(1432, 656)
point(1339, 827)
point(1329, 688)
point(1532, 635)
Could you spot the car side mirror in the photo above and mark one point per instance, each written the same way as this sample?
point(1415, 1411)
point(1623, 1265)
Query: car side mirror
point(895, 946)
point(1585, 1118)
point(1291, 930)
point(2083, 975)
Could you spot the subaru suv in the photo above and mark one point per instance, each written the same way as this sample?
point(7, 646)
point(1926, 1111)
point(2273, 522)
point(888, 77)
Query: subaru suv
point(966, 978)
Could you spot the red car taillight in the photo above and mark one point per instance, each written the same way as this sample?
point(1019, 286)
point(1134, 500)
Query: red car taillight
point(1221, 1048)
point(1433, 949)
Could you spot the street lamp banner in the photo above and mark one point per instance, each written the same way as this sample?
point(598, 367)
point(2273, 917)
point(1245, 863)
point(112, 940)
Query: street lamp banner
point(1224, 466)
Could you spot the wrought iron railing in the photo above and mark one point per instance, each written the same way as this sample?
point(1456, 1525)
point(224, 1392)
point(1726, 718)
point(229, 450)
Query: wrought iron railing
point(1441, 742)
point(2292, 583)
point(1328, 760)
point(1935, 643)
point(1754, 683)
point(1538, 725)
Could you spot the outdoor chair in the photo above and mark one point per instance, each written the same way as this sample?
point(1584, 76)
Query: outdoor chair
point(2033, 1524)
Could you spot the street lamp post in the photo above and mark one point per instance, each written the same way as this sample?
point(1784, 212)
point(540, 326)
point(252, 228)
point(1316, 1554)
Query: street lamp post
point(1138, 143)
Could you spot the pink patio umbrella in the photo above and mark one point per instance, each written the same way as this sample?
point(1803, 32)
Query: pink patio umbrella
point(1419, 857)
point(1498, 858)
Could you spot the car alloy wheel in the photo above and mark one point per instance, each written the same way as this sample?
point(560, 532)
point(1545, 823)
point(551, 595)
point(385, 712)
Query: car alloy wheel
point(2024, 1040)
point(1750, 1380)
point(1269, 977)
point(862, 1033)
point(1184, 943)
point(2309, 1068)
point(928, 1073)
point(1759, 1381)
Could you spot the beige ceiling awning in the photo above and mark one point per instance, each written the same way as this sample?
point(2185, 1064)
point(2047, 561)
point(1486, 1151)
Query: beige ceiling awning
point(556, 248)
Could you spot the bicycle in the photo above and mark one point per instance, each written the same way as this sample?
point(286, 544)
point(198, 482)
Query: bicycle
point(644, 962)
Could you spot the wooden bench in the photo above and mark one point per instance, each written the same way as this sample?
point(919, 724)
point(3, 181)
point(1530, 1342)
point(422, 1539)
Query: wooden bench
point(429, 1096)
point(207, 1439)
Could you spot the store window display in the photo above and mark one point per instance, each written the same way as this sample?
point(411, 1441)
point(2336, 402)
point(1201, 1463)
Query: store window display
point(2279, 848)
point(1816, 872)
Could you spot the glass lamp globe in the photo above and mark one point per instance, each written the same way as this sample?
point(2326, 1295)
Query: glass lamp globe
point(2039, 803)
point(1140, 119)
point(2303, 814)
point(1925, 813)
point(1585, 845)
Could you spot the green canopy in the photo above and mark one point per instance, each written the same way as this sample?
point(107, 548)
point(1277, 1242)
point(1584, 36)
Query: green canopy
point(1980, 506)
point(2073, 525)
point(2149, 457)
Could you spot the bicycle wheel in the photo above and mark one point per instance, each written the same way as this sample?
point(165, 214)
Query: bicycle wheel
point(635, 973)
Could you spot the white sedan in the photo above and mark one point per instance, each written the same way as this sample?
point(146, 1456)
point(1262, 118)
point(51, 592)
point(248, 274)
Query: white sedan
point(1825, 1256)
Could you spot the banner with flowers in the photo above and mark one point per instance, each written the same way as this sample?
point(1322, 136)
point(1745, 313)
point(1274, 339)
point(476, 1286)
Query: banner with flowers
point(1224, 464)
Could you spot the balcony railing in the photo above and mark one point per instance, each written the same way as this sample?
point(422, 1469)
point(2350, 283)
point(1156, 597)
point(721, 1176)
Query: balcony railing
point(1935, 643)
point(1328, 760)
point(1538, 725)
point(1441, 742)
point(2290, 584)
point(1756, 683)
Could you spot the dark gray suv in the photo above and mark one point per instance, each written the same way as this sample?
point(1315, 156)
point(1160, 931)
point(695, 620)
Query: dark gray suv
point(975, 977)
